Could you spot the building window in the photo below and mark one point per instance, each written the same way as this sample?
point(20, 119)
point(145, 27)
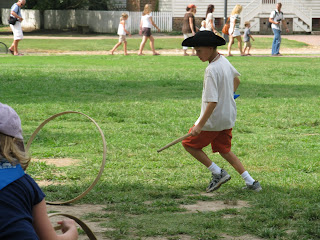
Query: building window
point(316, 24)
point(269, 1)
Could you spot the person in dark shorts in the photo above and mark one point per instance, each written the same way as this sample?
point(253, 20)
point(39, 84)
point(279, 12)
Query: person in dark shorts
point(145, 30)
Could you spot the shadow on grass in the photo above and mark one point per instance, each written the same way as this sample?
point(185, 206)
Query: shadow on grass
point(91, 91)
point(147, 210)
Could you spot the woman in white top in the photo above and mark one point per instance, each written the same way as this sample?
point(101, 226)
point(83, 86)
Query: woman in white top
point(234, 30)
point(210, 25)
point(145, 29)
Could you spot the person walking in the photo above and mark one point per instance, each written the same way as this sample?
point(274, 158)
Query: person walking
point(210, 25)
point(218, 112)
point(246, 38)
point(145, 29)
point(189, 28)
point(277, 20)
point(16, 28)
point(234, 30)
point(122, 32)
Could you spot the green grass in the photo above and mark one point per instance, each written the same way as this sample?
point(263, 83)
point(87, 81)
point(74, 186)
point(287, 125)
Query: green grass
point(133, 44)
point(141, 104)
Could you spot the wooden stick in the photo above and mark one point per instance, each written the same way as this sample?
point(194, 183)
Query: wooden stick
point(174, 142)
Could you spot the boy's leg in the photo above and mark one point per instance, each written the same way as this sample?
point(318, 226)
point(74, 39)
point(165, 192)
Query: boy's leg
point(236, 163)
point(244, 49)
point(219, 176)
point(199, 155)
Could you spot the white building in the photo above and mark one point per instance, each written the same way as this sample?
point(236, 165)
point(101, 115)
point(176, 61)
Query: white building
point(301, 15)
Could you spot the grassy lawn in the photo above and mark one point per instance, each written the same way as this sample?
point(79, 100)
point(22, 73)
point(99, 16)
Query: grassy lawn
point(141, 104)
point(133, 44)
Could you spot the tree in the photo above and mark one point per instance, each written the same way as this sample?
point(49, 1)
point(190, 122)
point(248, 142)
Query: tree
point(68, 4)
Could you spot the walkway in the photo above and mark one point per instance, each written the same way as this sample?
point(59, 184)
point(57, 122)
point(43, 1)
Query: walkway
point(313, 50)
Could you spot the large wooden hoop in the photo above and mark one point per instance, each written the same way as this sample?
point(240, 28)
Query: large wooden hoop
point(103, 163)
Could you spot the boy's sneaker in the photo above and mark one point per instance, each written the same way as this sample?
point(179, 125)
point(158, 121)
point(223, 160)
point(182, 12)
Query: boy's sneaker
point(255, 186)
point(218, 180)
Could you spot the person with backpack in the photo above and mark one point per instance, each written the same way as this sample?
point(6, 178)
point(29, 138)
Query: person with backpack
point(277, 20)
point(16, 27)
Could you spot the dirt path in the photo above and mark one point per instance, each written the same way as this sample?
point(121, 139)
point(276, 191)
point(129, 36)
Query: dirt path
point(313, 50)
point(82, 211)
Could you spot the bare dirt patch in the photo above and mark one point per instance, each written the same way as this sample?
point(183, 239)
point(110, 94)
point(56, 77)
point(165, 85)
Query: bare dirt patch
point(82, 210)
point(244, 237)
point(205, 206)
point(180, 237)
point(59, 162)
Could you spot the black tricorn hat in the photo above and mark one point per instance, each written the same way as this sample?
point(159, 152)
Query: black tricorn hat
point(204, 39)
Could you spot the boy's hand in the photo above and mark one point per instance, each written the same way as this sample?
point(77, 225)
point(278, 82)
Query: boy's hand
point(196, 130)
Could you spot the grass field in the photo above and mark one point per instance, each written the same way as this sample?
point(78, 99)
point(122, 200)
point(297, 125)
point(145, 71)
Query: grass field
point(141, 104)
point(41, 45)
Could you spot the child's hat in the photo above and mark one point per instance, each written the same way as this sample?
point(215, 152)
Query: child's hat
point(10, 123)
point(191, 6)
point(204, 39)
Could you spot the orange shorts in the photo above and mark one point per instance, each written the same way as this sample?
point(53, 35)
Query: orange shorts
point(220, 141)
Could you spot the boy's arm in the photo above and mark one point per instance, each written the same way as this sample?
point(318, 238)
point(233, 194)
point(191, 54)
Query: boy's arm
point(207, 113)
point(236, 83)
point(251, 37)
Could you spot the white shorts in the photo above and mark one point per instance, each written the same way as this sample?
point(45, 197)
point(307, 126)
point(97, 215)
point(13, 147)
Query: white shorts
point(17, 31)
point(235, 33)
point(122, 38)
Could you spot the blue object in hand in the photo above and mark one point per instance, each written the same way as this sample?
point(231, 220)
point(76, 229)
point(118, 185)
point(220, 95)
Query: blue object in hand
point(235, 96)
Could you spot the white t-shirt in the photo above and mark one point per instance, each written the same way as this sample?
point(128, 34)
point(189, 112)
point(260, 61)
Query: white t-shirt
point(208, 23)
point(121, 29)
point(277, 17)
point(146, 23)
point(218, 87)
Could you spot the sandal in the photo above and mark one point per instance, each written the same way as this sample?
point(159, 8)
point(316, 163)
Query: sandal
point(12, 52)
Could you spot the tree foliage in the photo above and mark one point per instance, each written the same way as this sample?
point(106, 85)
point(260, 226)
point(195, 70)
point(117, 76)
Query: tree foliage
point(68, 4)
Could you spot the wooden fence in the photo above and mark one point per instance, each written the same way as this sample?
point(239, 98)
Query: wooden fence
point(97, 21)
point(162, 19)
